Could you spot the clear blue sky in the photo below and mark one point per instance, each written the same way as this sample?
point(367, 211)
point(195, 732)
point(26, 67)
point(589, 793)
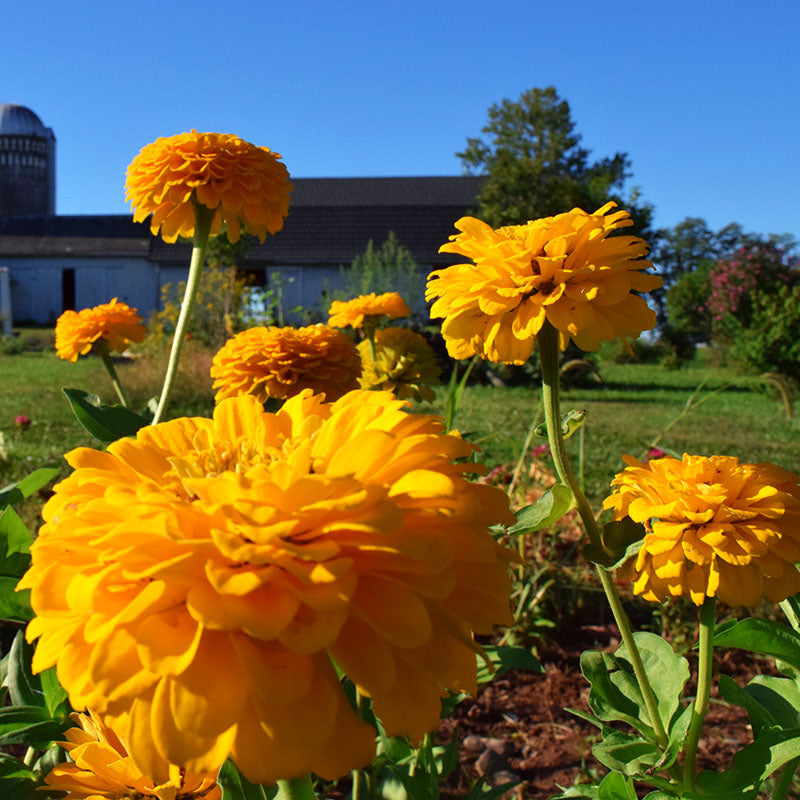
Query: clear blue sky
point(702, 95)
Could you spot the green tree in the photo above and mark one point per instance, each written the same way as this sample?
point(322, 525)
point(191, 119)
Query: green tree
point(536, 167)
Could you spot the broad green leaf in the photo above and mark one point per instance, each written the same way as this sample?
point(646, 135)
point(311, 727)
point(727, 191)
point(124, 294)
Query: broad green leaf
point(548, 509)
point(761, 636)
point(55, 696)
point(29, 725)
point(503, 658)
point(626, 753)
point(666, 671)
point(583, 791)
point(236, 787)
point(621, 539)
point(770, 701)
point(14, 606)
point(751, 765)
point(16, 492)
point(677, 738)
point(615, 695)
point(17, 781)
point(14, 534)
point(106, 423)
point(24, 687)
point(616, 787)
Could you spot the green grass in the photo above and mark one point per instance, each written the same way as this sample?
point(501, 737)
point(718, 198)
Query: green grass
point(633, 406)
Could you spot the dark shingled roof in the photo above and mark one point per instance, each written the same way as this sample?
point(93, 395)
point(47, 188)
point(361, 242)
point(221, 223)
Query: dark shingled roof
point(330, 221)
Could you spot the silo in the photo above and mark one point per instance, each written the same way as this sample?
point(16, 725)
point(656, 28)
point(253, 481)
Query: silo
point(27, 163)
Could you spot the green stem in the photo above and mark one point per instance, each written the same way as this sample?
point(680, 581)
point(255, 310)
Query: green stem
point(705, 659)
point(547, 340)
point(101, 346)
point(204, 216)
point(785, 781)
point(296, 789)
point(30, 757)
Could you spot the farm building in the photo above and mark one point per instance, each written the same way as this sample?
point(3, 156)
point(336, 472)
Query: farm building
point(57, 262)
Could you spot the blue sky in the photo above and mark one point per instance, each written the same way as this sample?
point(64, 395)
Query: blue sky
point(703, 95)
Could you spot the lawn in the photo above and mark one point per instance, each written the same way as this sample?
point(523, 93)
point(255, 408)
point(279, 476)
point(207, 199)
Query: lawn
point(635, 404)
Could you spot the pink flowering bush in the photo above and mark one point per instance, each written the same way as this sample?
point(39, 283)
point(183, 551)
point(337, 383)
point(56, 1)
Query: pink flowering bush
point(754, 303)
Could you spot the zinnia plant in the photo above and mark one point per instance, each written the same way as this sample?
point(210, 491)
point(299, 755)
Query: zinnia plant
point(281, 362)
point(566, 270)
point(403, 363)
point(195, 585)
point(194, 182)
point(101, 767)
point(110, 326)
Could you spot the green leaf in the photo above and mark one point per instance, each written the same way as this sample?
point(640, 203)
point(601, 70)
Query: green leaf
point(616, 787)
point(502, 658)
point(16, 492)
point(583, 791)
point(17, 781)
point(236, 787)
point(549, 508)
point(14, 537)
point(29, 725)
point(771, 702)
point(666, 671)
point(615, 695)
point(55, 695)
point(677, 738)
point(621, 539)
point(761, 636)
point(106, 423)
point(570, 422)
point(24, 687)
point(626, 753)
point(751, 765)
point(14, 534)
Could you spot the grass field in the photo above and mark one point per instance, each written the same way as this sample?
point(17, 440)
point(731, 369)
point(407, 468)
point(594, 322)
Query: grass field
point(634, 405)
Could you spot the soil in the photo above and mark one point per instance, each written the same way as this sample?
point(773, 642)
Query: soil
point(516, 729)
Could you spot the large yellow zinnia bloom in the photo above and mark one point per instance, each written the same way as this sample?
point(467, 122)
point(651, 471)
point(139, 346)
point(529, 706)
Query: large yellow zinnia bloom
point(281, 362)
point(404, 364)
point(563, 269)
point(247, 185)
point(102, 768)
point(715, 528)
point(116, 323)
point(366, 309)
point(195, 585)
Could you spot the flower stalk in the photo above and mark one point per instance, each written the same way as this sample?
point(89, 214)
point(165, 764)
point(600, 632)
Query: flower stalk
point(547, 340)
point(101, 347)
point(705, 659)
point(204, 217)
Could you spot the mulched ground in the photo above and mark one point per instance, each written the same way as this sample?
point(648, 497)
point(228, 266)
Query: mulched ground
point(517, 728)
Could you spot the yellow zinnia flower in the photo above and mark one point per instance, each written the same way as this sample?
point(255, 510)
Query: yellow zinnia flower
point(116, 323)
point(563, 269)
point(102, 768)
point(715, 527)
point(194, 586)
point(366, 309)
point(404, 364)
point(280, 362)
point(247, 185)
